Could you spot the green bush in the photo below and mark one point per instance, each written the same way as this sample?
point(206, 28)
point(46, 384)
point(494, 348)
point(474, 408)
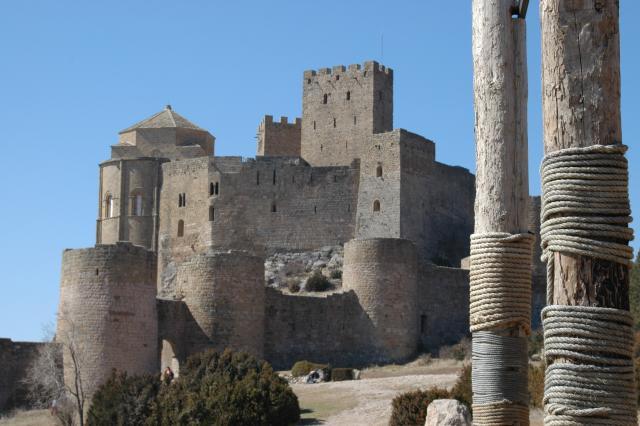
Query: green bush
point(536, 385)
point(123, 400)
point(410, 408)
point(229, 388)
point(302, 368)
point(317, 282)
point(341, 374)
point(336, 274)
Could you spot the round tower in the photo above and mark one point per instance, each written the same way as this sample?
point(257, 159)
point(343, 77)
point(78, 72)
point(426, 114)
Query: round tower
point(107, 312)
point(383, 274)
point(225, 294)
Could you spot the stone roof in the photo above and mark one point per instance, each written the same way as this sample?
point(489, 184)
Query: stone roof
point(167, 118)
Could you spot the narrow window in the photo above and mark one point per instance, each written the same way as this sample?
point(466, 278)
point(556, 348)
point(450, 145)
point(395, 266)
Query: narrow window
point(348, 96)
point(345, 145)
point(180, 228)
point(321, 148)
point(334, 123)
point(258, 177)
point(97, 271)
point(355, 120)
point(314, 124)
point(325, 97)
point(335, 178)
point(273, 207)
point(315, 209)
point(274, 176)
point(184, 199)
point(179, 200)
point(423, 324)
point(136, 205)
point(211, 213)
point(308, 81)
point(379, 171)
point(108, 206)
point(337, 77)
point(376, 206)
point(379, 95)
point(217, 191)
point(212, 188)
point(349, 207)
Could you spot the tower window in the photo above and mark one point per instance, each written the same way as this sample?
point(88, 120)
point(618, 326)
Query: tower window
point(108, 206)
point(355, 120)
point(334, 123)
point(182, 200)
point(315, 209)
point(379, 171)
point(179, 200)
point(180, 228)
point(314, 124)
point(423, 324)
point(321, 148)
point(376, 206)
point(273, 208)
point(212, 188)
point(337, 77)
point(217, 190)
point(274, 176)
point(308, 81)
point(325, 98)
point(136, 204)
point(212, 213)
point(348, 96)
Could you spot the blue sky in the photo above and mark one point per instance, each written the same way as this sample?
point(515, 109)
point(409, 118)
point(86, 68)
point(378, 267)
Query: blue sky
point(74, 73)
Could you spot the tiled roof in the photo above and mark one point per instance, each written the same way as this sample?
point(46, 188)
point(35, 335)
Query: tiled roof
point(167, 118)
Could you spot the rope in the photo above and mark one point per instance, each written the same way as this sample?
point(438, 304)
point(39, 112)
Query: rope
point(588, 187)
point(585, 211)
point(600, 390)
point(500, 297)
point(500, 275)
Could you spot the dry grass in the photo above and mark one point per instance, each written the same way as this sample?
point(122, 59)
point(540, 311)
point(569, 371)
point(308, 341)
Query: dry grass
point(29, 418)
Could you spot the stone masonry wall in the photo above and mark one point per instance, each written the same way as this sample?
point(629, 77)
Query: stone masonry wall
point(224, 292)
point(279, 139)
point(383, 274)
point(107, 311)
point(341, 108)
point(16, 358)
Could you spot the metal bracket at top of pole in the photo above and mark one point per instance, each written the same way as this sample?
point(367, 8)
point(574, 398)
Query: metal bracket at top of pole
point(520, 8)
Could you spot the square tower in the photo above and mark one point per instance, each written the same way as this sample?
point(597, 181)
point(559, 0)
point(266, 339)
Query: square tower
point(341, 109)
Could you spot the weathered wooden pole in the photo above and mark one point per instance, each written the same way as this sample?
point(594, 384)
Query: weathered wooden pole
point(500, 247)
point(585, 216)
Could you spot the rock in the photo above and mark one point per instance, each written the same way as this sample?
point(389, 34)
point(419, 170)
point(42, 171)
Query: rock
point(447, 412)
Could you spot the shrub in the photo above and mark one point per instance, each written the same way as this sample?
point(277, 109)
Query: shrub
point(229, 388)
point(336, 274)
point(302, 368)
point(293, 285)
point(462, 389)
point(317, 282)
point(123, 400)
point(536, 385)
point(460, 351)
point(341, 374)
point(410, 408)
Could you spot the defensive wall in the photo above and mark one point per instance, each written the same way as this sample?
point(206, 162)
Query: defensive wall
point(279, 139)
point(107, 311)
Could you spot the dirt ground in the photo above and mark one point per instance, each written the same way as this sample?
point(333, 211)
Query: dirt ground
point(368, 401)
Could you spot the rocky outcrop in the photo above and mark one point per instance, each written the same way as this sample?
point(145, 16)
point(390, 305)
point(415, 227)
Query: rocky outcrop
point(283, 269)
point(447, 412)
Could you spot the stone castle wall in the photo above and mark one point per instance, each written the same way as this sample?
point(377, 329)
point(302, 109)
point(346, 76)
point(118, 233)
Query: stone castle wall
point(341, 108)
point(16, 358)
point(225, 294)
point(279, 139)
point(383, 274)
point(107, 311)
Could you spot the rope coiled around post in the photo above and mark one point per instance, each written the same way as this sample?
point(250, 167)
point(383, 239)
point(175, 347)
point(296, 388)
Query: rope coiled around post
point(601, 389)
point(500, 276)
point(588, 350)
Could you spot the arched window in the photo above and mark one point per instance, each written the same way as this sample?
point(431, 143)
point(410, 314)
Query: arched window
point(180, 228)
point(136, 204)
point(379, 171)
point(108, 206)
point(212, 214)
point(376, 206)
point(212, 188)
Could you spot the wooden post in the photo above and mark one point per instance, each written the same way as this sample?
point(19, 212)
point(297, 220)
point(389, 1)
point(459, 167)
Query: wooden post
point(581, 107)
point(500, 100)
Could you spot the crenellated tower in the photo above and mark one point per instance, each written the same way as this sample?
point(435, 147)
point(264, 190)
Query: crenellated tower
point(342, 107)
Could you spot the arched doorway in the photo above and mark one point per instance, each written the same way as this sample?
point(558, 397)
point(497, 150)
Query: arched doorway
point(168, 358)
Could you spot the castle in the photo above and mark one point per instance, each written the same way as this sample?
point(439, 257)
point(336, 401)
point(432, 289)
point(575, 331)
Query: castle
point(182, 236)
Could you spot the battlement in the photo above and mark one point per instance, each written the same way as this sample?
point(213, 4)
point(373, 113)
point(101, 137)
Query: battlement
point(337, 71)
point(284, 121)
point(279, 139)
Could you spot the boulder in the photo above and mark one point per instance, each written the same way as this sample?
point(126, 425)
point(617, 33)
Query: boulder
point(447, 412)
